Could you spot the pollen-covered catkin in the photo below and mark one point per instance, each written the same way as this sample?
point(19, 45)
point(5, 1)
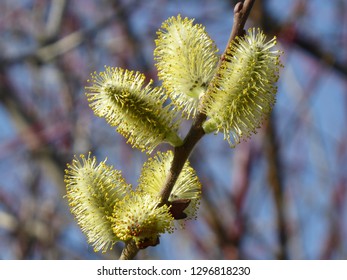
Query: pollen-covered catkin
point(135, 108)
point(187, 186)
point(92, 191)
point(186, 60)
point(138, 217)
point(243, 91)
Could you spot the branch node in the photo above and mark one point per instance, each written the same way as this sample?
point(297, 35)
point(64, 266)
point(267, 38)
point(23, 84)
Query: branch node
point(238, 7)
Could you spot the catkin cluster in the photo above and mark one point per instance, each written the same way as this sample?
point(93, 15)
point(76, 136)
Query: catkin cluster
point(235, 94)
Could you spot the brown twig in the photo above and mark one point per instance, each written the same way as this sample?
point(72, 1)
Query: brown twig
point(241, 13)
point(53, 50)
point(196, 132)
point(129, 252)
point(276, 185)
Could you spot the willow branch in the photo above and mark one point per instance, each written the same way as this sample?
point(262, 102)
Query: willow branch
point(129, 252)
point(196, 132)
point(241, 13)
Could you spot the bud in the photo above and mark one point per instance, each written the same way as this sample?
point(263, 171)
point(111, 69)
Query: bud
point(92, 191)
point(186, 61)
point(243, 91)
point(139, 218)
point(187, 186)
point(136, 109)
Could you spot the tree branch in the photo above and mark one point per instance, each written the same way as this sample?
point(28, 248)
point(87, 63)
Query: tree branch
point(196, 132)
point(52, 50)
point(276, 185)
point(129, 252)
point(241, 13)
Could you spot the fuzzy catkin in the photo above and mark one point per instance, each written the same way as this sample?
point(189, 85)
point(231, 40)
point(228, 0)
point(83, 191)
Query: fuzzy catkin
point(92, 191)
point(243, 91)
point(187, 186)
point(186, 61)
point(139, 218)
point(135, 108)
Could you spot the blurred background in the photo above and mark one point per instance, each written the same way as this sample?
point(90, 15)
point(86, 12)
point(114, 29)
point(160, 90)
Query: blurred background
point(280, 195)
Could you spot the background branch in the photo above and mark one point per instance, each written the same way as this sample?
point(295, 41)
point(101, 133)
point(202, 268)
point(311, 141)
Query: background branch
point(276, 185)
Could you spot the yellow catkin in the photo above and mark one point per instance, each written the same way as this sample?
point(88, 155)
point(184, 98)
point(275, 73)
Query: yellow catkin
point(92, 190)
point(244, 90)
point(187, 186)
point(135, 108)
point(186, 60)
